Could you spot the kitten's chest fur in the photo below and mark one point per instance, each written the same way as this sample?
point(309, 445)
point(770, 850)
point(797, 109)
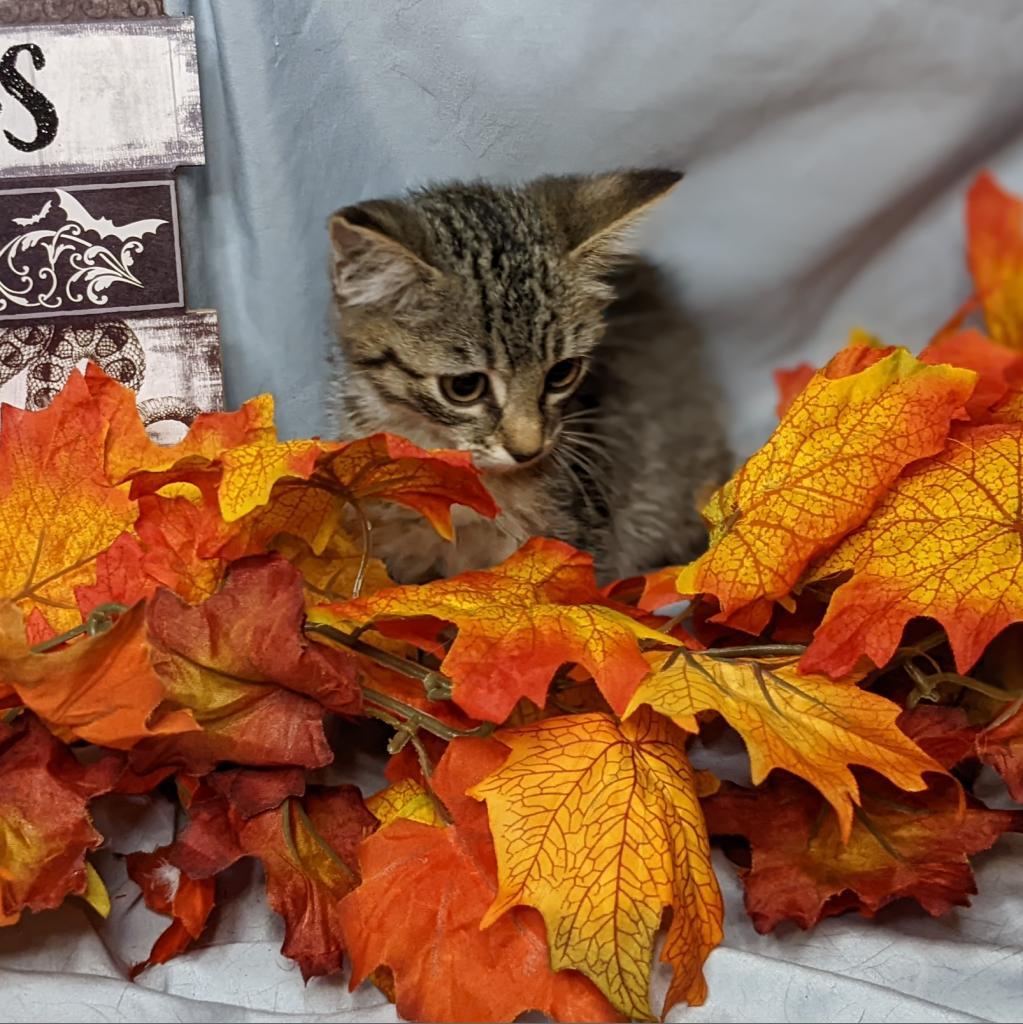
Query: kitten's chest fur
point(628, 490)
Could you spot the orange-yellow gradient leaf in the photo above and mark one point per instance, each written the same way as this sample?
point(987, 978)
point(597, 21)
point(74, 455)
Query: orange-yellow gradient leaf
point(995, 365)
point(945, 543)
point(250, 472)
point(130, 451)
point(834, 454)
point(861, 352)
point(45, 828)
point(807, 725)
point(598, 826)
point(58, 511)
point(405, 800)
point(994, 225)
point(903, 846)
point(517, 624)
point(100, 689)
point(418, 910)
point(383, 467)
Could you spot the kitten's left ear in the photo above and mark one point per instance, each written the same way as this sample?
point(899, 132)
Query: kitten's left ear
point(595, 212)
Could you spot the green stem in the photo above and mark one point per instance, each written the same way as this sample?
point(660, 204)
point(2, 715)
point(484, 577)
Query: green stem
point(756, 651)
point(422, 720)
point(100, 619)
point(436, 685)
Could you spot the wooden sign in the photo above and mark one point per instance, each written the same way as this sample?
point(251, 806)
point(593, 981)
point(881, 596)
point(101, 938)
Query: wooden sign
point(173, 362)
point(82, 249)
point(24, 12)
point(101, 97)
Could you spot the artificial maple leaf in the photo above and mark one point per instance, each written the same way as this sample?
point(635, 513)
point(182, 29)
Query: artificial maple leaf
point(517, 624)
point(862, 351)
point(250, 472)
point(994, 364)
point(250, 791)
point(242, 665)
point(130, 451)
point(121, 577)
point(406, 800)
point(418, 910)
point(806, 724)
point(943, 543)
point(1001, 746)
point(171, 530)
point(383, 467)
point(331, 574)
point(994, 225)
point(305, 848)
point(598, 826)
point(101, 689)
point(168, 890)
point(789, 383)
point(943, 733)
point(58, 510)
point(837, 450)
point(903, 846)
point(45, 828)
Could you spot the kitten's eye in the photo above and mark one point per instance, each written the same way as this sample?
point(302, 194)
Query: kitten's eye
point(561, 376)
point(464, 388)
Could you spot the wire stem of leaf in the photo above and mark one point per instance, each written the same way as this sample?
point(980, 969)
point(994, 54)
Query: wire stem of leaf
point(436, 685)
point(100, 619)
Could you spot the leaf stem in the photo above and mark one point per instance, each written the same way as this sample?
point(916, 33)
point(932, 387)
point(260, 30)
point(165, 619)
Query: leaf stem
point(436, 684)
point(99, 620)
point(423, 720)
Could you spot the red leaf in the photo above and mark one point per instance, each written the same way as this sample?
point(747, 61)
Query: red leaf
point(903, 846)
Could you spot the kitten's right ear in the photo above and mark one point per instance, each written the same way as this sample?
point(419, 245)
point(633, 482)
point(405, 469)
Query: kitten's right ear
point(376, 261)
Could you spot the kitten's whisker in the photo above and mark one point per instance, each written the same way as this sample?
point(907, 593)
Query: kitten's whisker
point(575, 478)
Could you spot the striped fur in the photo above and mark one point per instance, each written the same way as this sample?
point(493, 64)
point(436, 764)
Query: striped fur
point(508, 282)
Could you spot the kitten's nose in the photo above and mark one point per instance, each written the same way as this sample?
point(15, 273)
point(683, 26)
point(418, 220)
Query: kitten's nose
point(520, 456)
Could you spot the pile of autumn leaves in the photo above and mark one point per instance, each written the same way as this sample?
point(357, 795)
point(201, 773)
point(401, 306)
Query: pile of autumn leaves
point(186, 620)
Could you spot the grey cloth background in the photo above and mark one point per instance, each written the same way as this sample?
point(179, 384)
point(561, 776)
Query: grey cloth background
point(827, 145)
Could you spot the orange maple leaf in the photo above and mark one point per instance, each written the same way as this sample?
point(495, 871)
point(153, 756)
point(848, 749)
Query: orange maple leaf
point(58, 511)
point(424, 892)
point(101, 689)
point(598, 826)
point(806, 724)
point(943, 543)
point(994, 225)
point(995, 365)
point(517, 624)
point(837, 450)
point(45, 828)
point(130, 451)
point(902, 846)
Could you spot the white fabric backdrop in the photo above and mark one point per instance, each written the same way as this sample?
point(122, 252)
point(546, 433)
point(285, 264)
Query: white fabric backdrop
point(827, 147)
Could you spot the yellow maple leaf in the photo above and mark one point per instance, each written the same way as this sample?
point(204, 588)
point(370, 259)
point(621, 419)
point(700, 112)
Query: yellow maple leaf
point(807, 725)
point(597, 825)
point(836, 451)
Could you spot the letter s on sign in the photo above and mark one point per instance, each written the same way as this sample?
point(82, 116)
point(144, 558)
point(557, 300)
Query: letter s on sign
point(31, 98)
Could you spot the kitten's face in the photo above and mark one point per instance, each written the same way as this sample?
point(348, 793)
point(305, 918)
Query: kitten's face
point(435, 372)
point(469, 314)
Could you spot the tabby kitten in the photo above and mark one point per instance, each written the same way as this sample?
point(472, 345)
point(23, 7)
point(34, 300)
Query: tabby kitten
point(509, 322)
